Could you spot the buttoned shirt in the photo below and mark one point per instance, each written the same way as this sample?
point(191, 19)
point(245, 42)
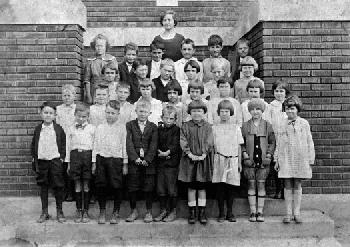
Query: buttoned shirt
point(180, 74)
point(155, 69)
point(47, 147)
point(110, 141)
point(81, 138)
point(65, 116)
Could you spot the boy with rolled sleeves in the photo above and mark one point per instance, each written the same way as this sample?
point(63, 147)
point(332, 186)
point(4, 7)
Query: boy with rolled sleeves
point(168, 159)
point(111, 160)
point(80, 139)
point(141, 147)
point(48, 151)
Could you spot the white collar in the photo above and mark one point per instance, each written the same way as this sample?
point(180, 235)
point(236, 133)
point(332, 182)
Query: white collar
point(50, 126)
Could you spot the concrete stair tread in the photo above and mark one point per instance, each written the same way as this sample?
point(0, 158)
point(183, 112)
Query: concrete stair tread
point(315, 225)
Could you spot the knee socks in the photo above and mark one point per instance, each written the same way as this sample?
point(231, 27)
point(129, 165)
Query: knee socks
point(172, 203)
point(59, 192)
point(86, 200)
point(44, 196)
point(229, 198)
point(117, 199)
point(148, 197)
point(78, 200)
point(220, 192)
point(101, 195)
point(162, 202)
point(132, 199)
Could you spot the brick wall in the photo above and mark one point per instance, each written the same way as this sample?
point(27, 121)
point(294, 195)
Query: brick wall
point(35, 61)
point(145, 13)
point(315, 58)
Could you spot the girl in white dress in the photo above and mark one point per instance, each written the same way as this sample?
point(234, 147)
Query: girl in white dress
point(294, 156)
point(280, 90)
point(227, 159)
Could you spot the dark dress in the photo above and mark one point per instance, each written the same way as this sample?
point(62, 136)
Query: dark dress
point(172, 46)
point(196, 138)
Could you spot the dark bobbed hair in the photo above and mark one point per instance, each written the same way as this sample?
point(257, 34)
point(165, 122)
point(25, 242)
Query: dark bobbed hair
point(196, 104)
point(224, 80)
point(47, 104)
point(292, 100)
point(193, 64)
point(175, 86)
point(256, 83)
point(225, 104)
point(195, 85)
point(280, 83)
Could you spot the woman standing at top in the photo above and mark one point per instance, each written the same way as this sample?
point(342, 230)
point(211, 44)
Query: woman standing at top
point(170, 39)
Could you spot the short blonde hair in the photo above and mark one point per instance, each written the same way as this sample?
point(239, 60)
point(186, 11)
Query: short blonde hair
point(167, 61)
point(144, 104)
point(68, 87)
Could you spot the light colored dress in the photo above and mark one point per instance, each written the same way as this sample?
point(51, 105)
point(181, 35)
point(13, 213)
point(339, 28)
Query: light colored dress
point(213, 117)
point(227, 138)
point(295, 149)
point(276, 116)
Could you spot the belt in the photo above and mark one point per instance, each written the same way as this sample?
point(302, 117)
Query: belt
point(81, 150)
point(229, 157)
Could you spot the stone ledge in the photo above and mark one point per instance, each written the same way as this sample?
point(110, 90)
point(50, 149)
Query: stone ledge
point(43, 12)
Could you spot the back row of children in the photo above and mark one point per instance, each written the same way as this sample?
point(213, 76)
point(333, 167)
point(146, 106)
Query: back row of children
point(189, 123)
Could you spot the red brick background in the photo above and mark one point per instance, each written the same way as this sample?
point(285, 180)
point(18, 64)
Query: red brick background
point(35, 61)
point(314, 57)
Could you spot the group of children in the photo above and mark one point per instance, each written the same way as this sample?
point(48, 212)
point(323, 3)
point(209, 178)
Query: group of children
point(162, 121)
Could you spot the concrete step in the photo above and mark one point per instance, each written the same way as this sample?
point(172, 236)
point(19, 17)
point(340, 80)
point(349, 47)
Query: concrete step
point(316, 225)
point(18, 223)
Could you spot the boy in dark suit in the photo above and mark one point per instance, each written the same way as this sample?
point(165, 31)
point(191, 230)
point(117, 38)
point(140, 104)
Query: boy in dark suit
point(157, 51)
point(168, 164)
point(125, 68)
point(48, 151)
point(164, 80)
point(141, 147)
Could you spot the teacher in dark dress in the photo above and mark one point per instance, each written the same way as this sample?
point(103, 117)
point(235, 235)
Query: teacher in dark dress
point(170, 39)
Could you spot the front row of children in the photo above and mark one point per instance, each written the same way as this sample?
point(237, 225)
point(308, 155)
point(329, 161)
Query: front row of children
point(156, 157)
